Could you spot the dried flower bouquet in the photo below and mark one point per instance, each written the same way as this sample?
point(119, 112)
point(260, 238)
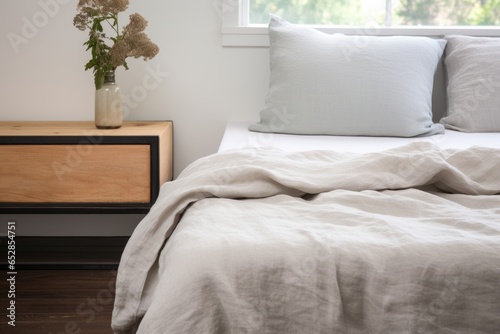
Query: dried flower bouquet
point(110, 52)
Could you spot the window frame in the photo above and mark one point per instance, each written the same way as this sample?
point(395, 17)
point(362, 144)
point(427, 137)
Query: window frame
point(237, 31)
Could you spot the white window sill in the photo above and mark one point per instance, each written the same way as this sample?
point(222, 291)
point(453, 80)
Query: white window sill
point(245, 36)
point(257, 36)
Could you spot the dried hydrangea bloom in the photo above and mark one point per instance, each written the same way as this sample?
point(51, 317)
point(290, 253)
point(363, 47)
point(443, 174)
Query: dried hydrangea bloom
point(118, 53)
point(104, 7)
point(137, 45)
point(84, 18)
point(113, 6)
point(141, 46)
point(136, 25)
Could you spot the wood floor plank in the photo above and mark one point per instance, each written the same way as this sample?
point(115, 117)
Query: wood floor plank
point(61, 301)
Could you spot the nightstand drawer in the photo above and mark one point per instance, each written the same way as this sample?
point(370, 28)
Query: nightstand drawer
point(72, 167)
point(75, 174)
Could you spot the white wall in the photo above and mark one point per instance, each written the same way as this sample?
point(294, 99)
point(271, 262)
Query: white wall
point(201, 84)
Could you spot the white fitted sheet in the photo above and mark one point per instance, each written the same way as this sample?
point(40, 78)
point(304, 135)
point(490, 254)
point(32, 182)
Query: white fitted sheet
point(237, 136)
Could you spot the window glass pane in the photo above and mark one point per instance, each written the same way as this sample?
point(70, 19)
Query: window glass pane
point(369, 12)
point(447, 12)
point(337, 12)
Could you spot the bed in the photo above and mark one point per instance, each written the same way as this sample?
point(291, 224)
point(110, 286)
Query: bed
point(291, 229)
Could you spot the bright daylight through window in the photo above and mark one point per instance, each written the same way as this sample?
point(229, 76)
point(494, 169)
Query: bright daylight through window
point(379, 12)
point(245, 21)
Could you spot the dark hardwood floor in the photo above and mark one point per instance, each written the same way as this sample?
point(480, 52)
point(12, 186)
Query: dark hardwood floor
point(59, 301)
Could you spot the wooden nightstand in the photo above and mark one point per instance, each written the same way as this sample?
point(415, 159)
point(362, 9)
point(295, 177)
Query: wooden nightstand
point(72, 167)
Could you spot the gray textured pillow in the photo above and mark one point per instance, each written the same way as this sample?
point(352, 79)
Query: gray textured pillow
point(349, 85)
point(473, 84)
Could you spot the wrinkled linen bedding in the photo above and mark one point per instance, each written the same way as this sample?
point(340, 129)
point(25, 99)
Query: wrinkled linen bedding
point(262, 241)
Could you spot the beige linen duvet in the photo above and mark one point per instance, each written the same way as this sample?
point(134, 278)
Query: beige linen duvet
point(261, 241)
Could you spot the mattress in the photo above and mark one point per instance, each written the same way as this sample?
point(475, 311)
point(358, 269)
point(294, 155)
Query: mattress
point(237, 136)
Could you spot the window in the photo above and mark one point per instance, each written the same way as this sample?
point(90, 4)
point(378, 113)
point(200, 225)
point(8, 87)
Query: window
point(380, 12)
point(245, 21)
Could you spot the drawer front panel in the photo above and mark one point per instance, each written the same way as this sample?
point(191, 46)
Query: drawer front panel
point(82, 173)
